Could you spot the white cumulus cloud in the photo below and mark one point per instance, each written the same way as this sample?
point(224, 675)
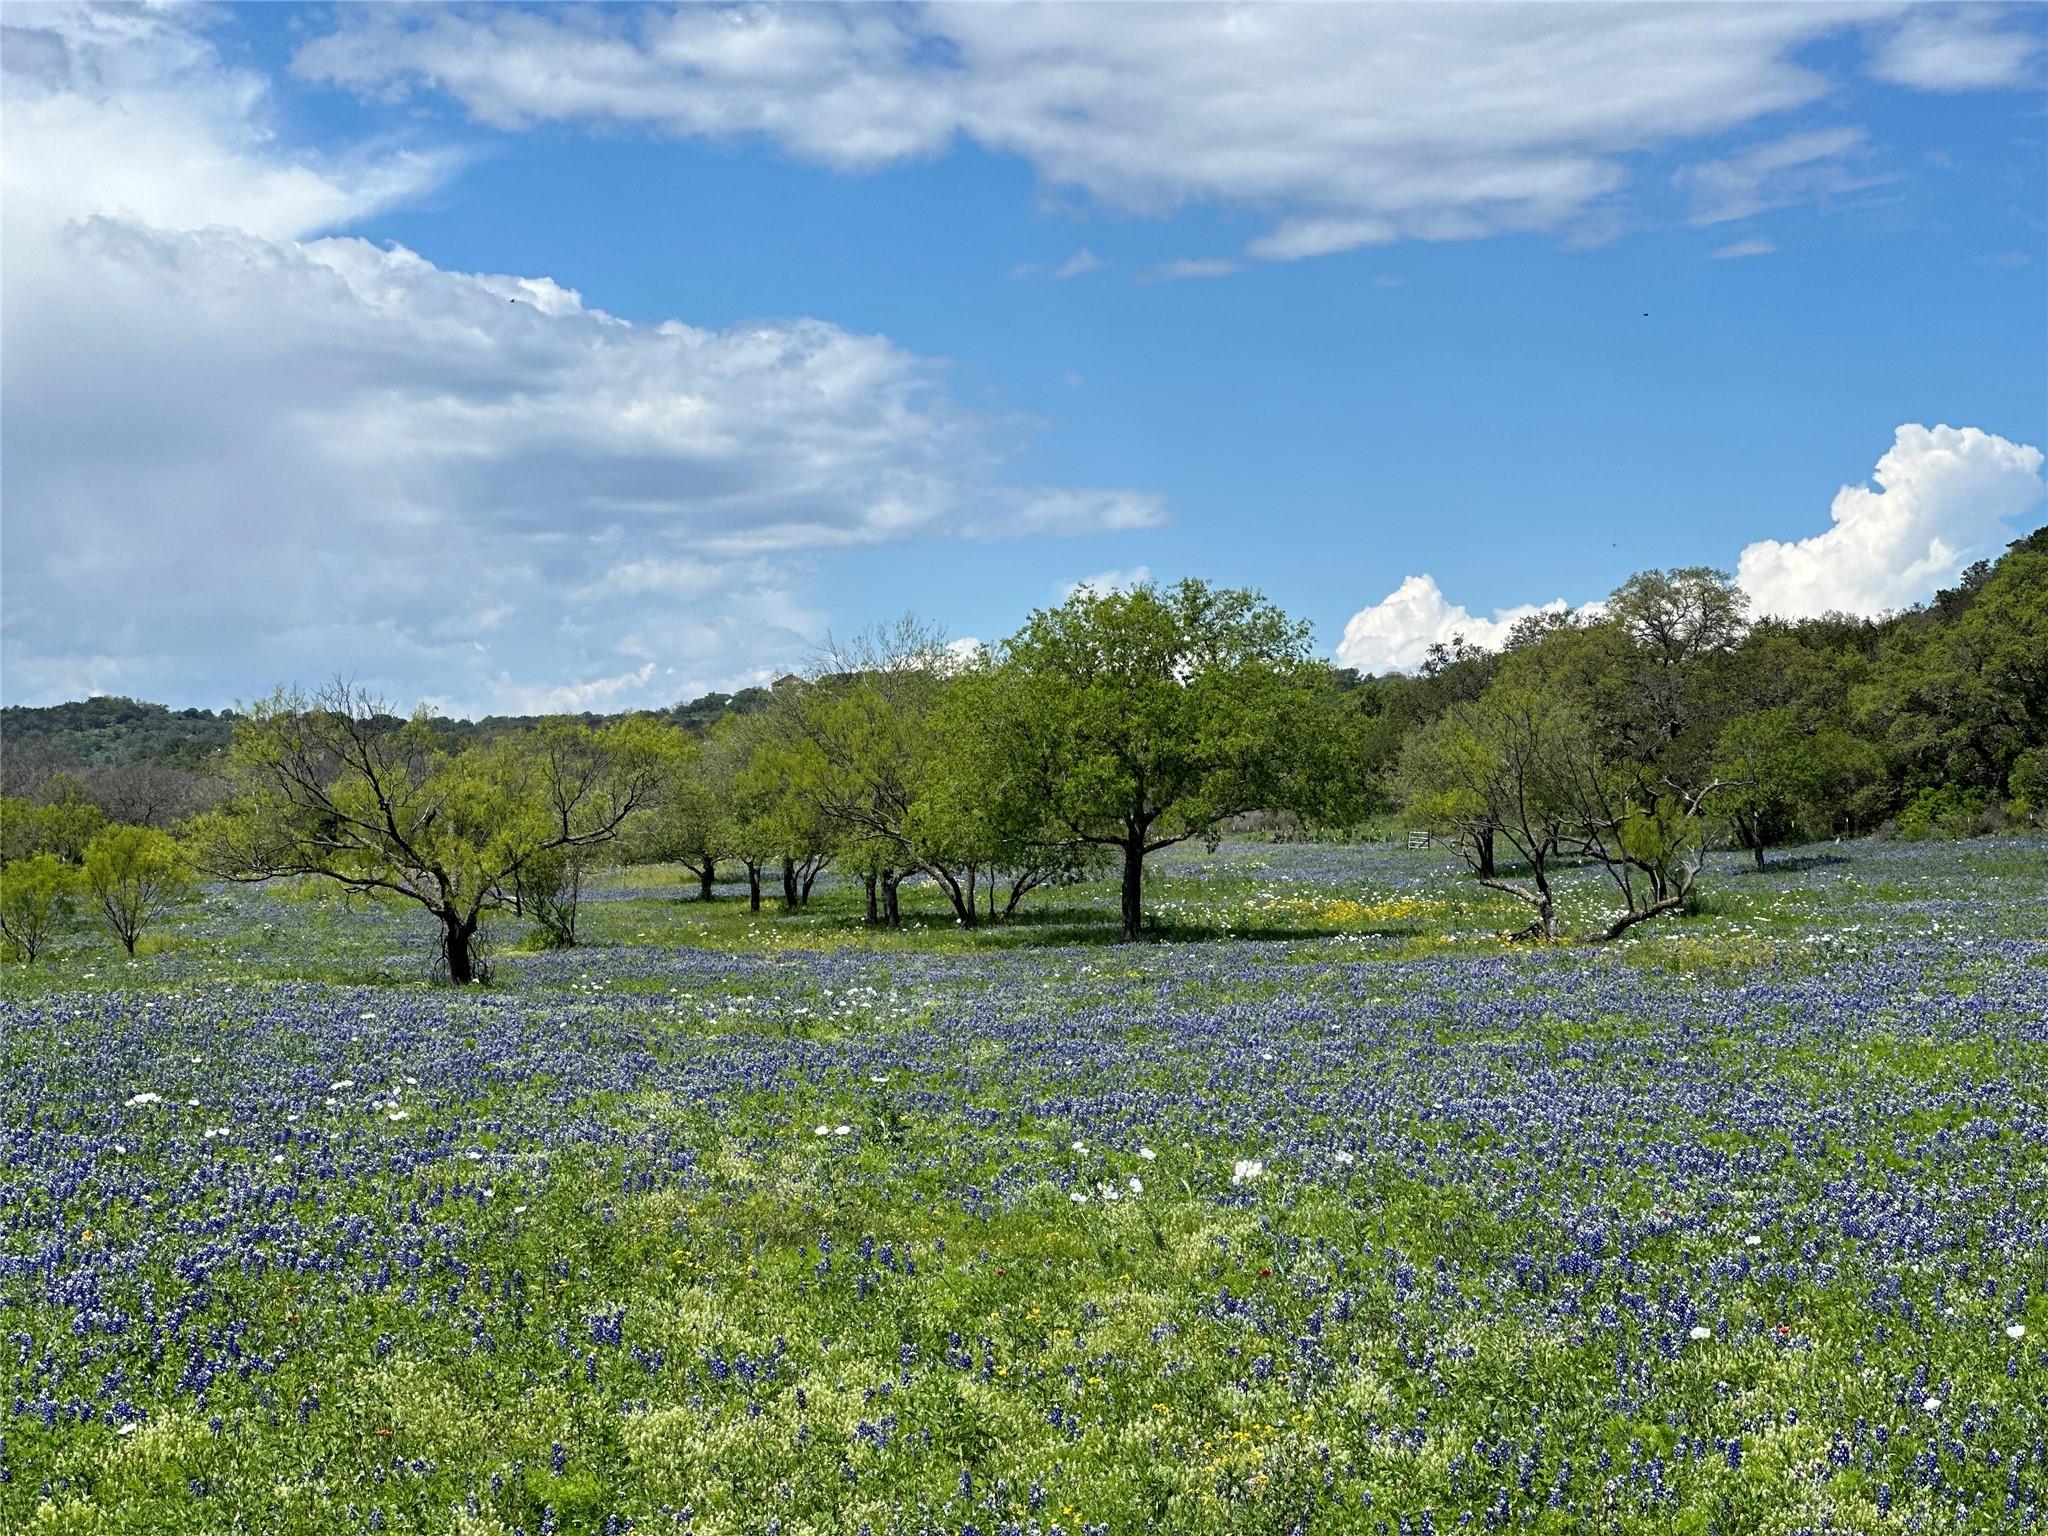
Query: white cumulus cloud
point(1395, 633)
point(241, 446)
point(1945, 496)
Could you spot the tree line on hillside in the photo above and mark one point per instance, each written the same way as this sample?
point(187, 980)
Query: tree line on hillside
point(1632, 737)
point(85, 749)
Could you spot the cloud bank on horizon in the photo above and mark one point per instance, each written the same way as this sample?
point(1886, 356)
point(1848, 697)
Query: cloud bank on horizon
point(1945, 496)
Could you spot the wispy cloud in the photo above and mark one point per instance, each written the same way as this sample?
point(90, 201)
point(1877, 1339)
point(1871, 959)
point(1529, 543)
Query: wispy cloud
point(1965, 49)
point(1195, 266)
point(1344, 125)
point(1083, 260)
point(1755, 246)
point(1800, 167)
point(1104, 582)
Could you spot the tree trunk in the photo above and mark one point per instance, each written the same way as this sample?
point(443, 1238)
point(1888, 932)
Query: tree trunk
point(753, 886)
point(707, 877)
point(962, 896)
point(892, 911)
point(457, 947)
point(1757, 848)
point(789, 885)
point(1484, 838)
point(867, 884)
point(1134, 887)
point(1018, 888)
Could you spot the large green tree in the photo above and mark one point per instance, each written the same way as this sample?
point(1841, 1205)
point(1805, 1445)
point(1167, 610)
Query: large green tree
point(1147, 717)
point(978, 807)
point(334, 786)
point(135, 876)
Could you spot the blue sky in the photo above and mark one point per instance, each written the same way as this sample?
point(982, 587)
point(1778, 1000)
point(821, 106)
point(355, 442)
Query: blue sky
point(1519, 301)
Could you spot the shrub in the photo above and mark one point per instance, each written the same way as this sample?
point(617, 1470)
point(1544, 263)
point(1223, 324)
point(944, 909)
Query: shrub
point(1944, 812)
point(38, 898)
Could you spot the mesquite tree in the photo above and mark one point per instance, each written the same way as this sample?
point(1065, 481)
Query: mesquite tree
point(38, 898)
point(135, 875)
point(1501, 767)
point(335, 786)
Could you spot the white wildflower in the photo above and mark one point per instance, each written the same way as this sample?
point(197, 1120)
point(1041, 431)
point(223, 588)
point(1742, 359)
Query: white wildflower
point(1702, 1331)
point(1246, 1169)
point(2015, 1330)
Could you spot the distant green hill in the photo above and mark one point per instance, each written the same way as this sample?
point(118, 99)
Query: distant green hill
point(108, 732)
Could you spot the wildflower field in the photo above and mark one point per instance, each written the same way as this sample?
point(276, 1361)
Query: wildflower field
point(1328, 1212)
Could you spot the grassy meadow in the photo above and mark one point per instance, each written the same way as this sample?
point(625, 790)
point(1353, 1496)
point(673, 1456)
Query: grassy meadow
point(1326, 1212)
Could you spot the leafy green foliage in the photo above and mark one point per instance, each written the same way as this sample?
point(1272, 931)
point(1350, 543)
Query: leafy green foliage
point(332, 787)
point(135, 875)
point(1139, 719)
point(62, 827)
point(38, 899)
